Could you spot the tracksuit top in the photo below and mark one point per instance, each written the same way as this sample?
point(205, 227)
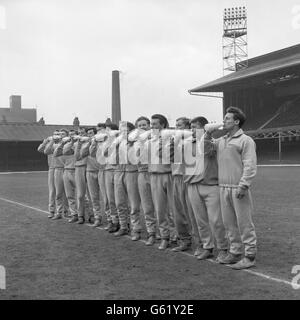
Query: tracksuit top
point(68, 153)
point(123, 150)
point(236, 159)
point(91, 162)
point(41, 148)
point(109, 154)
point(57, 162)
point(79, 162)
point(154, 148)
point(204, 169)
point(178, 168)
point(50, 161)
point(95, 152)
point(142, 156)
point(68, 159)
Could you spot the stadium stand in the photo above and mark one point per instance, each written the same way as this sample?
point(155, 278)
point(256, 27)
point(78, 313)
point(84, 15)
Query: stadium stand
point(268, 91)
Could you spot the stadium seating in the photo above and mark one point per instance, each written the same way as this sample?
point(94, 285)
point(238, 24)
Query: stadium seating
point(283, 115)
point(288, 115)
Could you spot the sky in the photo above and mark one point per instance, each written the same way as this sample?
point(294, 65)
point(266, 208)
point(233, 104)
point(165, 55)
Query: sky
point(59, 54)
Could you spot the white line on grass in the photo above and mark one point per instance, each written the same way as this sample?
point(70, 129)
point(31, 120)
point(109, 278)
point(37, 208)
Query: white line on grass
point(259, 274)
point(23, 205)
point(23, 172)
point(278, 165)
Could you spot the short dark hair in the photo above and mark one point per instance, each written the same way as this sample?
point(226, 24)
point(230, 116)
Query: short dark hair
point(101, 125)
point(140, 119)
point(238, 114)
point(94, 130)
point(162, 120)
point(112, 126)
point(64, 130)
point(130, 126)
point(202, 120)
point(186, 121)
point(83, 128)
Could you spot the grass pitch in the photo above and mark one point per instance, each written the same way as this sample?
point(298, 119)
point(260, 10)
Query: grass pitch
point(47, 259)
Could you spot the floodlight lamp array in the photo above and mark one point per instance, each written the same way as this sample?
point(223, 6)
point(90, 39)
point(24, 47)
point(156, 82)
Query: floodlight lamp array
point(235, 13)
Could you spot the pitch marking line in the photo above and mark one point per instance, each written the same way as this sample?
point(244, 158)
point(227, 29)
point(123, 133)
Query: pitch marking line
point(259, 274)
point(278, 165)
point(23, 172)
point(23, 205)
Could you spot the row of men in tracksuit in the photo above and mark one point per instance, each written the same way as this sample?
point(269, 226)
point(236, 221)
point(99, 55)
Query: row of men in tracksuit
point(209, 206)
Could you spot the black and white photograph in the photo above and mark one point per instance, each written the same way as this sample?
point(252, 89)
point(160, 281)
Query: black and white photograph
point(150, 151)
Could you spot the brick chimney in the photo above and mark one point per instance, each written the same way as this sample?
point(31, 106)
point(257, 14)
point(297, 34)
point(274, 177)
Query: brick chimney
point(76, 122)
point(15, 103)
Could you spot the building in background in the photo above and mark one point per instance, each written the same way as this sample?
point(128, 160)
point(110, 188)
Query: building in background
point(15, 113)
point(21, 134)
point(19, 143)
point(268, 91)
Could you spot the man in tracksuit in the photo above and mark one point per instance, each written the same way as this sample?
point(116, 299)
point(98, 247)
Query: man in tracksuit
point(126, 186)
point(60, 197)
point(161, 180)
point(109, 173)
point(95, 151)
point(143, 124)
point(181, 203)
point(92, 170)
point(83, 197)
point(51, 185)
point(65, 149)
point(237, 168)
point(203, 191)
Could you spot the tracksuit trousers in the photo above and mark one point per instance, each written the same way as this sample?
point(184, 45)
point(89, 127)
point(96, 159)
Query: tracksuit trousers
point(52, 193)
point(60, 198)
point(146, 202)
point(237, 216)
point(161, 189)
point(103, 196)
point(127, 193)
point(205, 201)
point(94, 191)
point(70, 189)
point(180, 206)
point(110, 192)
point(82, 194)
